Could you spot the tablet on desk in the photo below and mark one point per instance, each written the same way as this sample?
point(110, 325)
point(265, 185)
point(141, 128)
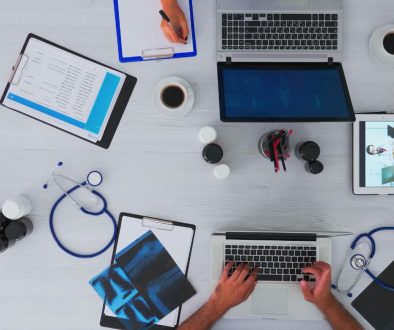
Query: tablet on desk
point(373, 154)
point(68, 91)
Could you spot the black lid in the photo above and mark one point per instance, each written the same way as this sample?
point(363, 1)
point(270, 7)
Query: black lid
point(15, 230)
point(212, 153)
point(309, 151)
point(315, 167)
point(3, 242)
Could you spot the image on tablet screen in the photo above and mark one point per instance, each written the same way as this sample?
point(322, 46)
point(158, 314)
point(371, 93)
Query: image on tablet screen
point(377, 154)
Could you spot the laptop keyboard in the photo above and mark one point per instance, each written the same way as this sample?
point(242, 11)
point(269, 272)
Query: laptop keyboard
point(292, 32)
point(275, 263)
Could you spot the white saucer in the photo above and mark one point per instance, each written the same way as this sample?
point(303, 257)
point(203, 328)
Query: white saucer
point(376, 49)
point(183, 110)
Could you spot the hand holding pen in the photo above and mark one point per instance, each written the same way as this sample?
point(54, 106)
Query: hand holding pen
point(174, 23)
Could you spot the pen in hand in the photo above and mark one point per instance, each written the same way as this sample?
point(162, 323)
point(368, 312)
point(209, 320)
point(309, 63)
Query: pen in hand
point(177, 30)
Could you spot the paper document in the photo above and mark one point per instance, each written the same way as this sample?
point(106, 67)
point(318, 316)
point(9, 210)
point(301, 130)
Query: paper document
point(140, 33)
point(64, 90)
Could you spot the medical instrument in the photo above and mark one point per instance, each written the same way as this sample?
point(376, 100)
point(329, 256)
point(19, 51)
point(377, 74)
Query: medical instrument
point(360, 262)
point(94, 178)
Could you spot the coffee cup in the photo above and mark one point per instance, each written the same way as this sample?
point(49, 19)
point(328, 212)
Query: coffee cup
point(381, 45)
point(173, 97)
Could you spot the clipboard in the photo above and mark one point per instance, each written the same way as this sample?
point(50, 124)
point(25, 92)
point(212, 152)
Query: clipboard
point(45, 114)
point(172, 235)
point(138, 31)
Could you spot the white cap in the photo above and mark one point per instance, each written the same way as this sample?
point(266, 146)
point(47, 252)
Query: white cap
point(207, 134)
point(221, 171)
point(16, 207)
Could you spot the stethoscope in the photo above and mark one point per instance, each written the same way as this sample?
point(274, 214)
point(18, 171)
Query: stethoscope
point(360, 263)
point(94, 179)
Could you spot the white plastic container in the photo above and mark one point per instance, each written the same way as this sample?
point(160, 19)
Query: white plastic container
point(16, 207)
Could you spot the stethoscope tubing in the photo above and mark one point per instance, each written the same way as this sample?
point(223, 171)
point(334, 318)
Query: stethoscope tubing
point(102, 211)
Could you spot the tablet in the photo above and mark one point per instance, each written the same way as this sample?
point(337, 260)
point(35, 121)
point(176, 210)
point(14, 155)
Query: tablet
point(68, 91)
point(283, 92)
point(176, 237)
point(373, 154)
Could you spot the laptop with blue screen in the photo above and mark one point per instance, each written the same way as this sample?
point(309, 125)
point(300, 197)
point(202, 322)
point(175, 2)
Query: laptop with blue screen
point(279, 61)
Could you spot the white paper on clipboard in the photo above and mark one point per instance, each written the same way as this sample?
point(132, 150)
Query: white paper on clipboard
point(176, 239)
point(140, 32)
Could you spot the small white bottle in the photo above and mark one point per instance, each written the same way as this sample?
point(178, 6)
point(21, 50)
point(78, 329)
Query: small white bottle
point(221, 171)
point(16, 207)
point(207, 135)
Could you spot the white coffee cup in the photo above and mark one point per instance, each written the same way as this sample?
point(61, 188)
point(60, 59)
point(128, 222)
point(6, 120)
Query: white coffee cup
point(381, 45)
point(173, 97)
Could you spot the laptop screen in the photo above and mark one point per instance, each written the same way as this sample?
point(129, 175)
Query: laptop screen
point(283, 92)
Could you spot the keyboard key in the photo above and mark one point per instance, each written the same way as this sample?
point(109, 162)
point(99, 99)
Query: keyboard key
point(295, 17)
point(252, 23)
point(269, 277)
point(286, 278)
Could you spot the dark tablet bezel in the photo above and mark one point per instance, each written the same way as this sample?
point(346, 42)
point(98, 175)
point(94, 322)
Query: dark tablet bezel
point(119, 107)
point(272, 66)
point(114, 322)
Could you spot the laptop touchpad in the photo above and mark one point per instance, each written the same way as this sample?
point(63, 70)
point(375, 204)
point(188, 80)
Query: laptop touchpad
point(269, 301)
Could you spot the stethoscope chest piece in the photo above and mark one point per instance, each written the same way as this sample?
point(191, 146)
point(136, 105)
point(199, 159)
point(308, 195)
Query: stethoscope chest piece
point(358, 262)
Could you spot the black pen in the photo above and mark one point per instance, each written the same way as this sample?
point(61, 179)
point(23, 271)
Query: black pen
point(167, 19)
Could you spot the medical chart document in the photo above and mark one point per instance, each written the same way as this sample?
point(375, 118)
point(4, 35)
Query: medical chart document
point(64, 90)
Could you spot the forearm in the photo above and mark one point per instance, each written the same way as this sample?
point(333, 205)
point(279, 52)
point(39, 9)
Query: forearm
point(203, 319)
point(166, 3)
point(339, 317)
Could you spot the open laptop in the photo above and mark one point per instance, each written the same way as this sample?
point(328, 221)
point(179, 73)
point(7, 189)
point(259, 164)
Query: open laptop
point(280, 257)
point(255, 36)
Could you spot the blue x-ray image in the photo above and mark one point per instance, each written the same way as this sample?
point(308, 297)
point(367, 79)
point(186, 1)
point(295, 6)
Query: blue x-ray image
point(144, 284)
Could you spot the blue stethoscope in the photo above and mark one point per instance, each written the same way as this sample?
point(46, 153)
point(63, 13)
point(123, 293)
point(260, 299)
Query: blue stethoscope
point(360, 262)
point(94, 179)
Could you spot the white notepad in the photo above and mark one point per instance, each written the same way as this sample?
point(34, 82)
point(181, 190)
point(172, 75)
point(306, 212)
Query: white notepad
point(176, 239)
point(139, 34)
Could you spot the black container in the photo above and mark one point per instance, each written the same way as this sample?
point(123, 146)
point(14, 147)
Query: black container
point(314, 167)
point(18, 229)
point(5, 243)
point(3, 222)
point(212, 153)
point(308, 151)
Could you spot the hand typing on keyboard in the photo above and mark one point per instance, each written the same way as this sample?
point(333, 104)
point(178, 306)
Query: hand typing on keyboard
point(235, 288)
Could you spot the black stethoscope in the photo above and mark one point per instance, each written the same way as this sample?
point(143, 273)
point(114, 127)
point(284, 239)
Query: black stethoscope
point(360, 262)
point(94, 179)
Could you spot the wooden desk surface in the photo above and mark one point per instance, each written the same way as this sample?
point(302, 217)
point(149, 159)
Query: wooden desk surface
point(154, 165)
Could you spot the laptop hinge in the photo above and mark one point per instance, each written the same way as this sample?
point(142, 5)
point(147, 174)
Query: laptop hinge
point(271, 236)
point(228, 60)
point(330, 60)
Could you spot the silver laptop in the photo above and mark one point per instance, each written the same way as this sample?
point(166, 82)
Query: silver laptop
point(279, 30)
point(280, 257)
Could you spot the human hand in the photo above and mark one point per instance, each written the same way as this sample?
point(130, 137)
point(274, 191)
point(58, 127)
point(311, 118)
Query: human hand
point(233, 290)
point(320, 294)
point(178, 21)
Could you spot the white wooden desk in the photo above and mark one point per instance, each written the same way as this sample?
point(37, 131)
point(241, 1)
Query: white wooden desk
point(154, 165)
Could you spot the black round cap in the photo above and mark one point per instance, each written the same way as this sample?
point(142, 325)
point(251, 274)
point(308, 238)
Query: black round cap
point(212, 153)
point(15, 230)
point(315, 167)
point(309, 151)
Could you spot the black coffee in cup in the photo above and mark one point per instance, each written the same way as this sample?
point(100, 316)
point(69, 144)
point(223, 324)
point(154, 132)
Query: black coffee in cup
point(172, 96)
point(388, 43)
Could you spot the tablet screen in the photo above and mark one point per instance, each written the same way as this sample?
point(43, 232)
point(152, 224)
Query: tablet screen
point(376, 154)
point(285, 92)
point(64, 90)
